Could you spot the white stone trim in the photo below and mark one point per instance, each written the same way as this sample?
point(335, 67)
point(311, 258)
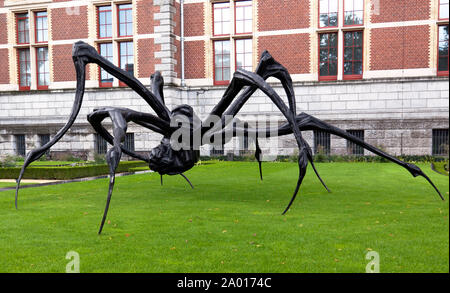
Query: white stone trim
point(285, 32)
point(416, 72)
point(400, 23)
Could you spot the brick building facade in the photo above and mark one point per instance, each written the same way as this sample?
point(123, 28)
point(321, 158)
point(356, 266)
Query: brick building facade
point(378, 68)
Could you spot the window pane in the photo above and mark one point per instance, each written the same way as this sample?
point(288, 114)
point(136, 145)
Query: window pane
point(25, 68)
point(22, 28)
point(106, 51)
point(42, 66)
point(443, 9)
point(125, 20)
point(221, 18)
point(222, 60)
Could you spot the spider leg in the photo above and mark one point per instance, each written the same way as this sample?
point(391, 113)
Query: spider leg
point(243, 78)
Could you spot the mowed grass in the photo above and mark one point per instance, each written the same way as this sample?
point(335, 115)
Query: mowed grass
point(232, 222)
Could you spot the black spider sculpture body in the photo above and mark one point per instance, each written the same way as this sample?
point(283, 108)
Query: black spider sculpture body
point(164, 159)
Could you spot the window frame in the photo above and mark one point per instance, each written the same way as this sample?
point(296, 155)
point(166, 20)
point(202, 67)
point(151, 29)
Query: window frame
point(121, 83)
point(343, 14)
point(118, 20)
point(441, 73)
point(329, 77)
point(235, 17)
point(100, 83)
point(439, 10)
point(41, 87)
point(17, 144)
point(316, 139)
point(36, 26)
point(17, 27)
point(351, 146)
point(352, 76)
point(23, 88)
point(337, 15)
point(244, 53)
point(221, 82)
point(98, 21)
point(434, 141)
point(214, 17)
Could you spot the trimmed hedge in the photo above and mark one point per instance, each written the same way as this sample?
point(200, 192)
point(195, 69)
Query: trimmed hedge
point(67, 172)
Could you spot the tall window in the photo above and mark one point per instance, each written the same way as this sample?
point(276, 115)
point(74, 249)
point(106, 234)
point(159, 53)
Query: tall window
point(353, 12)
point(24, 69)
point(244, 54)
point(43, 139)
point(106, 50)
point(227, 45)
point(443, 50)
point(352, 148)
point(23, 28)
point(43, 74)
point(125, 20)
point(104, 18)
point(244, 18)
point(353, 55)
point(129, 141)
point(114, 39)
point(100, 144)
point(222, 18)
point(126, 57)
point(328, 44)
point(221, 62)
point(19, 140)
point(440, 142)
point(321, 142)
point(41, 26)
point(443, 9)
point(328, 13)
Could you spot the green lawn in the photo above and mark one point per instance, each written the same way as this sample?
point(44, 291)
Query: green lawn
point(232, 222)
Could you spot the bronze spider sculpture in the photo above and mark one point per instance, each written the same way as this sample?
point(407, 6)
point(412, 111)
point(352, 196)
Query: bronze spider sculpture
point(164, 159)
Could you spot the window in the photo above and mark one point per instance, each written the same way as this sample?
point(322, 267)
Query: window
point(227, 44)
point(106, 50)
point(328, 56)
point(41, 26)
point(321, 142)
point(23, 28)
point(443, 9)
point(222, 62)
point(353, 12)
point(221, 19)
point(104, 18)
point(125, 20)
point(328, 13)
point(20, 144)
point(353, 55)
point(440, 142)
point(217, 151)
point(244, 18)
point(43, 74)
point(129, 141)
point(244, 54)
point(443, 50)
point(352, 148)
point(24, 69)
point(126, 57)
point(44, 139)
point(100, 144)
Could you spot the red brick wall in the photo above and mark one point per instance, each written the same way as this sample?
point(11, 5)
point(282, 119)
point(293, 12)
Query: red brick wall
point(293, 51)
point(194, 58)
point(194, 20)
point(283, 15)
point(4, 73)
point(402, 10)
point(400, 47)
point(145, 21)
point(3, 29)
point(63, 68)
point(66, 27)
point(146, 57)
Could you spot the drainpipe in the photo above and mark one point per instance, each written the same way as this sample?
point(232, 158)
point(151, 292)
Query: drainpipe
point(183, 83)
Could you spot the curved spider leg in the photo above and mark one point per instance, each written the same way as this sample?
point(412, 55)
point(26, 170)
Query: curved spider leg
point(258, 156)
point(243, 78)
point(33, 155)
point(161, 179)
point(157, 85)
point(308, 122)
point(114, 153)
point(267, 67)
point(192, 186)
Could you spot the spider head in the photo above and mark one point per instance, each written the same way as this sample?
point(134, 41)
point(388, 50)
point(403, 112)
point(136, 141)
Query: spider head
point(173, 155)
